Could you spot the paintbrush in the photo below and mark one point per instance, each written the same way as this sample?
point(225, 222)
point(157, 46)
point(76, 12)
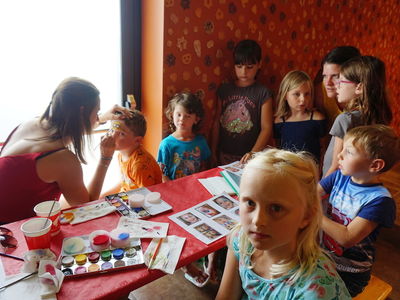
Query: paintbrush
point(18, 280)
point(11, 256)
point(51, 210)
point(153, 257)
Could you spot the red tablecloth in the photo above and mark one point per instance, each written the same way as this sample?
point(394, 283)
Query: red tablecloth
point(180, 194)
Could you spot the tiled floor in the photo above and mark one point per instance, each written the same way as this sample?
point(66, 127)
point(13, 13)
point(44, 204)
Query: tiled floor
point(174, 287)
point(177, 287)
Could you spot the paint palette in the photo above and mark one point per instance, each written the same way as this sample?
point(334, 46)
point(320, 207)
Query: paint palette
point(82, 260)
point(120, 201)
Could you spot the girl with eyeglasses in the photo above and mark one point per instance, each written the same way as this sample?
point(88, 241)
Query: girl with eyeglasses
point(361, 88)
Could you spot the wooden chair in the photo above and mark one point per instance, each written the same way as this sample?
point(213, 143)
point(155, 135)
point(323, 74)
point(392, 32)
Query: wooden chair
point(376, 289)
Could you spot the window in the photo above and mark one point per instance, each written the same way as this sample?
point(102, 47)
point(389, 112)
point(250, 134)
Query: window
point(45, 41)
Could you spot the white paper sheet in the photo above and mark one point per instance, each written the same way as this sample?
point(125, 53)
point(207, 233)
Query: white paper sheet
point(168, 254)
point(26, 289)
point(210, 220)
point(235, 167)
point(143, 229)
point(216, 185)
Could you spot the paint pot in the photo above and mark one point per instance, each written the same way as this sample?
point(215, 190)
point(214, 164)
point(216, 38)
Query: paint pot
point(99, 240)
point(67, 261)
point(106, 266)
point(119, 263)
point(74, 245)
point(66, 218)
point(153, 198)
point(94, 257)
point(106, 255)
point(118, 253)
point(131, 262)
point(136, 200)
point(120, 238)
point(130, 252)
point(67, 272)
point(81, 259)
point(80, 270)
point(93, 268)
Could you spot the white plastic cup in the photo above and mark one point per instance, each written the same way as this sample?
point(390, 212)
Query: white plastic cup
point(37, 233)
point(42, 210)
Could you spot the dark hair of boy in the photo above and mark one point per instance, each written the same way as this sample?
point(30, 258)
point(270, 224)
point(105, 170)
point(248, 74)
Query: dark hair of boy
point(191, 103)
point(378, 142)
point(136, 123)
point(247, 52)
point(340, 54)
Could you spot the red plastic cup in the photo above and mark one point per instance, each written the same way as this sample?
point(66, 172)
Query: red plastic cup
point(42, 210)
point(37, 233)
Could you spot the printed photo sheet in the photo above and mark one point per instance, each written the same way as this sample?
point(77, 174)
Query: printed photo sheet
point(235, 167)
point(210, 220)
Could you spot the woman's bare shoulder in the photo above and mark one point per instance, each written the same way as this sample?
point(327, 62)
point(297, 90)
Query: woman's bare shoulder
point(63, 157)
point(54, 166)
point(30, 137)
point(29, 127)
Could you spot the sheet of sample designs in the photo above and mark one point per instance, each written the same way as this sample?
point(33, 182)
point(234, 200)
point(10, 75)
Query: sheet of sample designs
point(235, 167)
point(210, 220)
point(143, 229)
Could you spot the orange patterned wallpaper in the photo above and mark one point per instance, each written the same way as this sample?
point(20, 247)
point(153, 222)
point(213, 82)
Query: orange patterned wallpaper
point(199, 36)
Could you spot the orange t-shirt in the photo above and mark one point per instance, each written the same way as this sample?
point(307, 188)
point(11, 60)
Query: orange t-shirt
point(141, 169)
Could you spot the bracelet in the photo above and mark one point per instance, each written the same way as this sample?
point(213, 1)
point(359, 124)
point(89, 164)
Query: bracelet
point(106, 158)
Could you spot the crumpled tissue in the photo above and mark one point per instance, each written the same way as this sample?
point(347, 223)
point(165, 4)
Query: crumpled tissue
point(33, 257)
point(50, 277)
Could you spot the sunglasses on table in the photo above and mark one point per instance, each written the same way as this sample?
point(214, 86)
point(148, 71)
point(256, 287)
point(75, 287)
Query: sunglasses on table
point(7, 240)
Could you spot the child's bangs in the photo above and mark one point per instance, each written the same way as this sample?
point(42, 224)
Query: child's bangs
point(245, 59)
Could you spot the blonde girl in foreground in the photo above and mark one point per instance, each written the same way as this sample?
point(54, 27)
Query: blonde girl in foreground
point(273, 253)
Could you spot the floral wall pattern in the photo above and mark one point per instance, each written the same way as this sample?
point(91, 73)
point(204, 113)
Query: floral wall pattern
point(199, 36)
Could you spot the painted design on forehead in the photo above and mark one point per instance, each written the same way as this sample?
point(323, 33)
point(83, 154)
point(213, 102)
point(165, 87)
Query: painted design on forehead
point(116, 126)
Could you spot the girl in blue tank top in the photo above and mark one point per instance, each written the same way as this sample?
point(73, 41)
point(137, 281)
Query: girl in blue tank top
point(296, 126)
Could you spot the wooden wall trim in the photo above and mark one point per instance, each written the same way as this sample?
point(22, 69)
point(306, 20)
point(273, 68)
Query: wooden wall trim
point(152, 71)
